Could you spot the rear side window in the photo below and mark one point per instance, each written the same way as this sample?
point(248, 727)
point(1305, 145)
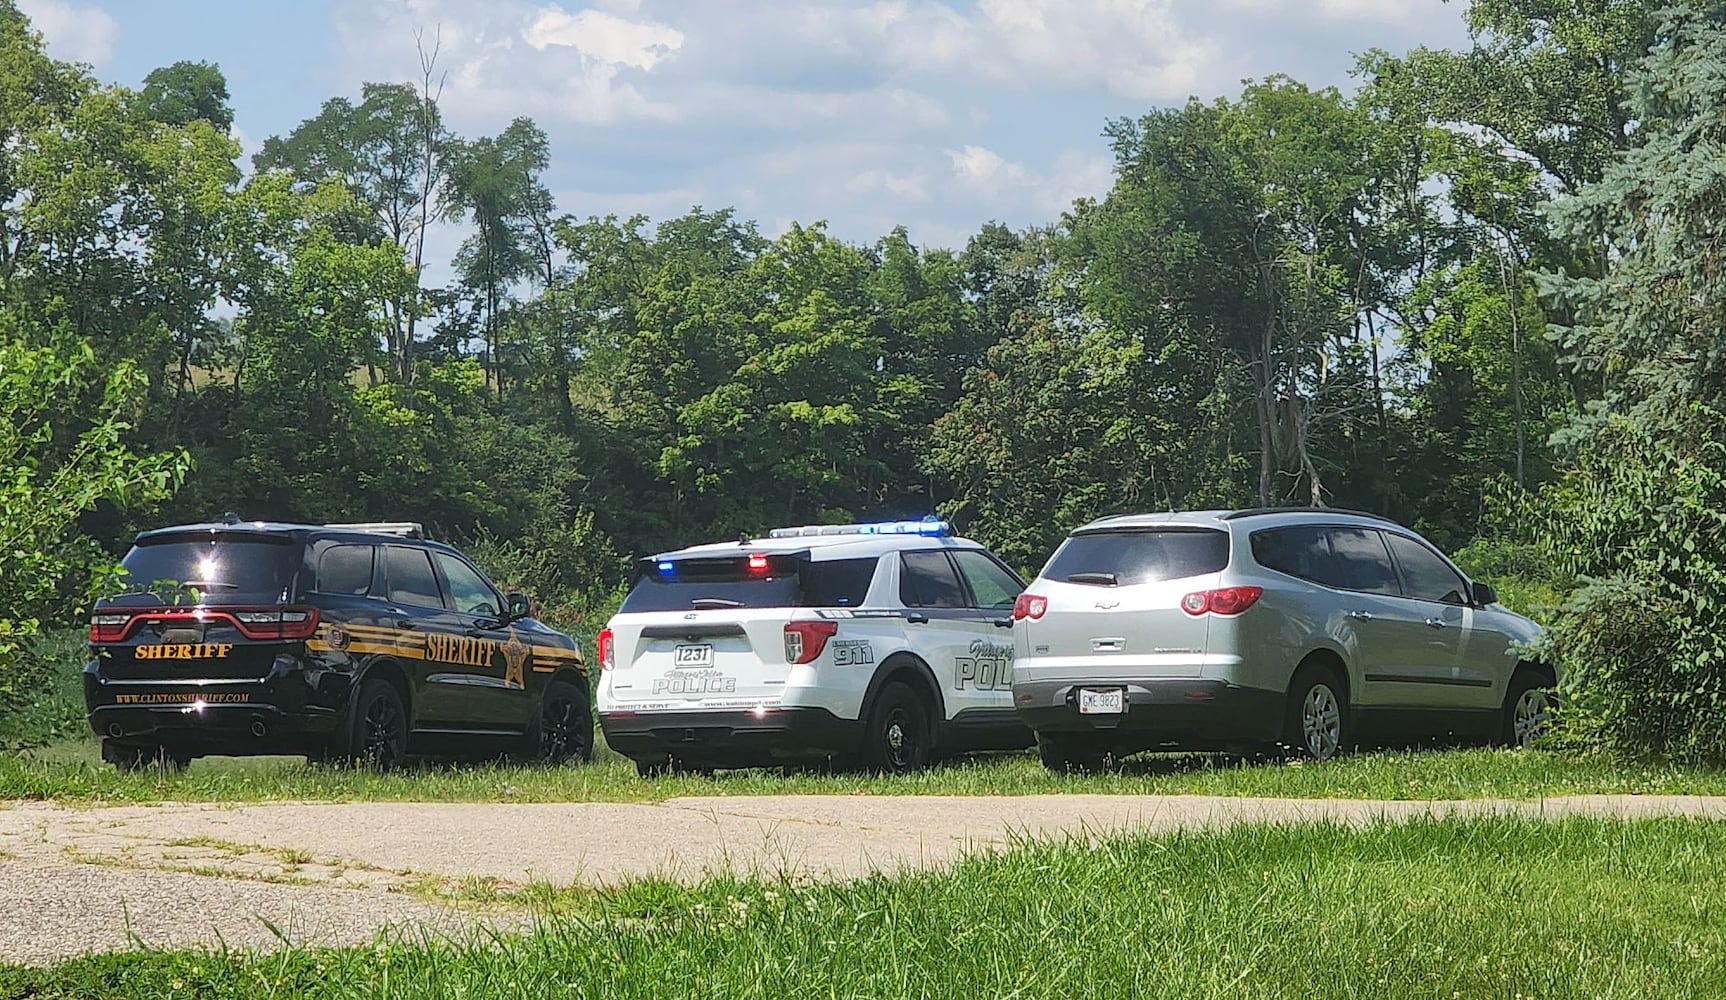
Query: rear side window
point(1363, 561)
point(836, 583)
point(928, 581)
point(231, 568)
point(1302, 552)
point(411, 579)
point(1127, 556)
point(344, 569)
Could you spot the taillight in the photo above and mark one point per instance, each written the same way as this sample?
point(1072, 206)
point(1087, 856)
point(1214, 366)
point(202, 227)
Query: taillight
point(277, 623)
point(607, 643)
point(1226, 601)
point(1030, 606)
point(109, 628)
point(804, 641)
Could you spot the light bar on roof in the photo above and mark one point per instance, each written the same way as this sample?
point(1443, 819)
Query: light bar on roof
point(402, 529)
point(931, 526)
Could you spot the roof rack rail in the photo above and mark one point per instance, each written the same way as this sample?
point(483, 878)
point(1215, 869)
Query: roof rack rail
point(403, 529)
point(1256, 511)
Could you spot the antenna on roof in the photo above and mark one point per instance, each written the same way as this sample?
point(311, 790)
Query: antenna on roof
point(230, 518)
point(743, 538)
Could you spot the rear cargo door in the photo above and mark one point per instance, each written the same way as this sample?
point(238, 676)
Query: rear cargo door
point(705, 633)
point(202, 610)
point(1115, 602)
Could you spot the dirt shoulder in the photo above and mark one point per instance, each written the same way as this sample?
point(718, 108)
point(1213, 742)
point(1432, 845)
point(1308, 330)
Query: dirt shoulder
point(78, 879)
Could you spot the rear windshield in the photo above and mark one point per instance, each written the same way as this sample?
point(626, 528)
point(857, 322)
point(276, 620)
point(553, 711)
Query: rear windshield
point(1124, 557)
point(210, 569)
point(696, 584)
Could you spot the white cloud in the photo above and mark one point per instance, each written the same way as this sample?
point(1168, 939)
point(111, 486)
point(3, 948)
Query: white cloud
point(986, 170)
point(508, 57)
point(605, 38)
point(983, 175)
point(81, 34)
point(1131, 48)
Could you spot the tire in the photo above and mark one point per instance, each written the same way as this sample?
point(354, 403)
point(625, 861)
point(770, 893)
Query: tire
point(898, 738)
point(130, 758)
point(1073, 754)
point(1527, 709)
point(378, 738)
point(1317, 726)
point(562, 729)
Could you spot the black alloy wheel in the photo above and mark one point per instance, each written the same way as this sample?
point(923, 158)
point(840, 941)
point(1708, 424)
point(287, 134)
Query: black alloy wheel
point(564, 729)
point(380, 734)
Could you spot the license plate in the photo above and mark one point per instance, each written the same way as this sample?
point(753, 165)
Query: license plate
point(1101, 701)
point(693, 656)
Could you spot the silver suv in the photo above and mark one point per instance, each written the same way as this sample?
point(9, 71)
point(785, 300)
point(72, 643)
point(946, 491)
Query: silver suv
point(1308, 627)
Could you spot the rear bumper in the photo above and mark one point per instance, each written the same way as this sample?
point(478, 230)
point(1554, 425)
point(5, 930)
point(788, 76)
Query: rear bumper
point(737, 737)
point(280, 714)
point(1177, 713)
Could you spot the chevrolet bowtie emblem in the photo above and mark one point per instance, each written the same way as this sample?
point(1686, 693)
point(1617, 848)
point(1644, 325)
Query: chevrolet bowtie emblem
point(1106, 605)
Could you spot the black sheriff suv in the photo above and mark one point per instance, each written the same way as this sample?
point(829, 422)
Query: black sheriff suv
point(359, 643)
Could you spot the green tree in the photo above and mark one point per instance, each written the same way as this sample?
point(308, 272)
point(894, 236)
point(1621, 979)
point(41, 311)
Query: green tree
point(1641, 511)
point(186, 92)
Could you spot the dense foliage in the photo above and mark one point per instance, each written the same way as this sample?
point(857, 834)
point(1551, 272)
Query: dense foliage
point(1292, 295)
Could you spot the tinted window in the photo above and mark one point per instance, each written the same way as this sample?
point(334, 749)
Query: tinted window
point(467, 588)
point(991, 585)
point(1302, 552)
point(1145, 556)
point(345, 569)
point(1362, 561)
point(1425, 576)
point(836, 583)
point(219, 569)
point(410, 577)
point(927, 580)
point(714, 583)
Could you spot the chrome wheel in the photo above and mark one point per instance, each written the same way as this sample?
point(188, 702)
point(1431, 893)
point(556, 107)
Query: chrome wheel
point(1321, 722)
point(1529, 717)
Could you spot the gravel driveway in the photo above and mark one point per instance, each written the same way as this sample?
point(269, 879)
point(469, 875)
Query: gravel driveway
point(80, 879)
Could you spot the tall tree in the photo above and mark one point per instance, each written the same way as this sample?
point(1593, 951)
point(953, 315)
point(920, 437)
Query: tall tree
point(185, 92)
point(392, 151)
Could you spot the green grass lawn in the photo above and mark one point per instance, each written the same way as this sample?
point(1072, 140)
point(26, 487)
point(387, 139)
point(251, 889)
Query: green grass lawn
point(1500, 908)
point(72, 773)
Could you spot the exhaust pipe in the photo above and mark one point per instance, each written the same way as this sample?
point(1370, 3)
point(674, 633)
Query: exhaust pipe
point(258, 728)
point(116, 730)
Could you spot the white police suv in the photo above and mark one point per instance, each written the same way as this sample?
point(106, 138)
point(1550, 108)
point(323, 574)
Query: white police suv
point(883, 644)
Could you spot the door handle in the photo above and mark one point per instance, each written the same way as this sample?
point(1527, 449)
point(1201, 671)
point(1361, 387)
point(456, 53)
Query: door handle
point(405, 623)
point(1003, 622)
point(1436, 623)
point(917, 618)
point(1361, 615)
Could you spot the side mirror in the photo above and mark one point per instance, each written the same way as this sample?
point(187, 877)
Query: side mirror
point(1484, 595)
point(520, 606)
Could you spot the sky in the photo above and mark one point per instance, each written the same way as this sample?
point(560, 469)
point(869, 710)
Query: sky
point(940, 115)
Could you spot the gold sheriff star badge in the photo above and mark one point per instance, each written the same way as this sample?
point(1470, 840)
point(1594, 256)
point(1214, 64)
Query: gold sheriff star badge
point(515, 653)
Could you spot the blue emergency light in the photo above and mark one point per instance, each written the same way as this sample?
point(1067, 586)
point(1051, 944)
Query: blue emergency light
point(931, 527)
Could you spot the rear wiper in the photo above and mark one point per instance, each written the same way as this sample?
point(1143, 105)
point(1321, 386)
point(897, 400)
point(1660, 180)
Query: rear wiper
point(1103, 579)
point(714, 602)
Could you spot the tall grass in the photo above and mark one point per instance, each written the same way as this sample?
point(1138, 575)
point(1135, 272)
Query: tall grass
point(1499, 908)
point(73, 774)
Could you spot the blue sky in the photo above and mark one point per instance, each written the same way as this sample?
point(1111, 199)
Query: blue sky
point(938, 114)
